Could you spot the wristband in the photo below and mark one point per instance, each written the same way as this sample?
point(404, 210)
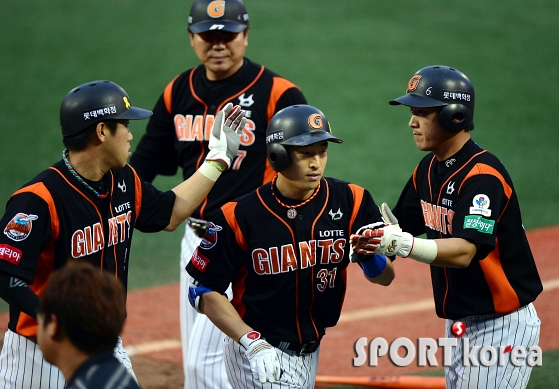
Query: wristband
point(424, 250)
point(211, 170)
point(373, 266)
point(217, 165)
point(248, 338)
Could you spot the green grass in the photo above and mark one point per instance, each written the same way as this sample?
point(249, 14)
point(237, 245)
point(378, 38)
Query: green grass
point(545, 376)
point(349, 58)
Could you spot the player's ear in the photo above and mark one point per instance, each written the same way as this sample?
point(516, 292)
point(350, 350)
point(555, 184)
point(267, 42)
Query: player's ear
point(191, 35)
point(100, 130)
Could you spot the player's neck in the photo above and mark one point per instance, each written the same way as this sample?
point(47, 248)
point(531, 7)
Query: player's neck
point(70, 359)
point(451, 146)
point(86, 165)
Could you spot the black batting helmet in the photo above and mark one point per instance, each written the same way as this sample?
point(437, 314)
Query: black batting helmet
point(220, 15)
point(446, 87)
point(94, 102)
point(297, 125)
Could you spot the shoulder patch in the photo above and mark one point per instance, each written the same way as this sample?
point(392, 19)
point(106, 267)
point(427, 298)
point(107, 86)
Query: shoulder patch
point(480, 205)
point(210, 236)
point(20, 226)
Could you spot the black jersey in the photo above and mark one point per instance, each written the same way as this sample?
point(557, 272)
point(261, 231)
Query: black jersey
point(54, 218)
point(471, 196)
point(178, 132)
point(102, 371)
point(288, 275)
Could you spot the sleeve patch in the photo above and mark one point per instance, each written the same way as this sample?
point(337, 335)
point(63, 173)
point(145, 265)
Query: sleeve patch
point(19, 227)
point(481, 205)
point(10, 254)
point(199, 261)
point(478, 223)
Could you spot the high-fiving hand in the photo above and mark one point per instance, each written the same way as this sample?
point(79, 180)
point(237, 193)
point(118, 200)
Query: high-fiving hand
point(225, 136)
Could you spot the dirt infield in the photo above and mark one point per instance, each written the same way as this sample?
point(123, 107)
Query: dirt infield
point(405, 309)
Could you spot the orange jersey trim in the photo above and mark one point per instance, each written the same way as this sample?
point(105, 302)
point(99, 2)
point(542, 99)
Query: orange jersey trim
point(168, 96)
point(229, 213)
point(505, 298)
point(358, 193)
point(26, 325)
point(279, 86)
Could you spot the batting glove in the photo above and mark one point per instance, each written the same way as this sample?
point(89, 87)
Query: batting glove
point(225, 137)
point(354, 239)
point(388, 216)
point(264, 362)
point(388, 240)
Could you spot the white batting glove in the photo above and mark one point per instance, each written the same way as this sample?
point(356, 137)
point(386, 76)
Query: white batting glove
point(264, 362)
point(388, 216)
point(372, 226)
point(389, 240)
point(225, 137)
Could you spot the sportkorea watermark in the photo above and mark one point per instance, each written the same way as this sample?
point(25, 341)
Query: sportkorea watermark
point(403, 352)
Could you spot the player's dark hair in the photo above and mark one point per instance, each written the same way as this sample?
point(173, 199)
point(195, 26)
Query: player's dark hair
point(79, 141)
point(89, 303)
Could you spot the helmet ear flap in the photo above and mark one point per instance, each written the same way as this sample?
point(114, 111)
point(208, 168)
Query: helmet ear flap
point(456, 117)
point(278, 156)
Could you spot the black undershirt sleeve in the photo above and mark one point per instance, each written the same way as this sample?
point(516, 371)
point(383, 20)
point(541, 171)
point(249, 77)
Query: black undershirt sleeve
point(17, 293)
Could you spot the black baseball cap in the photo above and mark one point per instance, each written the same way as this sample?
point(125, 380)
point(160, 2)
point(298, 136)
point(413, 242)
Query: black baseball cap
point(219, 15)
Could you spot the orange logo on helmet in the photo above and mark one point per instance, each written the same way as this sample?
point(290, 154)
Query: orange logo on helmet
point(414, 82)
point(216, 9)
point(315, 121)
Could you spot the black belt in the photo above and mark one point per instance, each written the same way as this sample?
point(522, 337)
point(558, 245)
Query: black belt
point(305, 348)
point(198, 226)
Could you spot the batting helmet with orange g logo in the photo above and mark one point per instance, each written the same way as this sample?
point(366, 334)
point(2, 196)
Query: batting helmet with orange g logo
point(220, 15)
point(297, 125)
point(445, 87)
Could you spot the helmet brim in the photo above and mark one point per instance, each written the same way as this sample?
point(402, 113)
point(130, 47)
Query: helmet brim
point(413, 100)
point(228, 26)
point(135, 114)
point(311, 138)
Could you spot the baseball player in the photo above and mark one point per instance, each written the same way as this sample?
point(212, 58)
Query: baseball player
point(461, 196)
point(176, 136)
point(86, 206)
point(285, 249)
point(82, 314)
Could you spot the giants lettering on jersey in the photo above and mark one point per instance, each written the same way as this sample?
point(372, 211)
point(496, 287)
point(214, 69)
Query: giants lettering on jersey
point(283, 259)
point(91, 239)
point(190, 128)
point(437, 218)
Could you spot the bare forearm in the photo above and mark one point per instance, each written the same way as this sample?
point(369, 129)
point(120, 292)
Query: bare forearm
point(454, 252)
point(223, 315)
point(189, 195)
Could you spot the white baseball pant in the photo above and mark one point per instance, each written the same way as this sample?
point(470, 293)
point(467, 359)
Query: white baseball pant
point(518, 328)
point(202, 341)
point(298, 371)
point(22, 365)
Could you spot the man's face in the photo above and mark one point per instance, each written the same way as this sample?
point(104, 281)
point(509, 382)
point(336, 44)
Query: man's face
point(117, 145)
point(306, 169)
point(221, 52)
point(427, 132)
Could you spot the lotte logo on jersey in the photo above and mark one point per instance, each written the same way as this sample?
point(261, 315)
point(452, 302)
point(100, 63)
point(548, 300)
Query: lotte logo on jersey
point(426, 349)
